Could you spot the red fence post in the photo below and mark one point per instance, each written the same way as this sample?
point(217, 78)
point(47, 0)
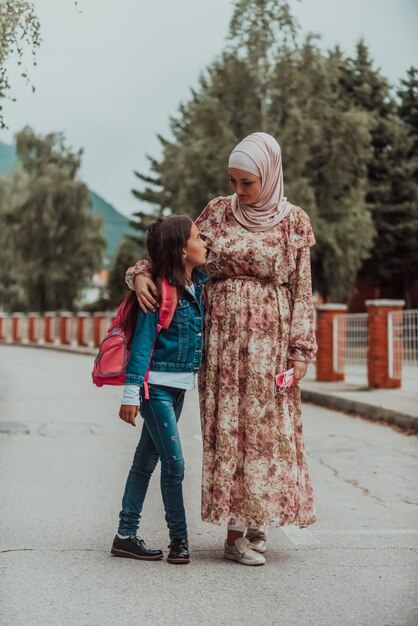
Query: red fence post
point(65, 328)
point(82, 319)
point(33, 327)
point(4, 318)
point(325, 365)
point(49, 330)
point(379, 350)
point(98, 332)
point(17, 327)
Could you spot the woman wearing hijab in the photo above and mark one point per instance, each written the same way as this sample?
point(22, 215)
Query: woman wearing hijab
point(259, 323)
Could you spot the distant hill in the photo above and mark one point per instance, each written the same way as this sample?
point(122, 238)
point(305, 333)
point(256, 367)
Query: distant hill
point(115, 225)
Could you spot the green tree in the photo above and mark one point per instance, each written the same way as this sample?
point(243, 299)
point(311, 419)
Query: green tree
point(293, 92)
point(55, 239)
point(193, 167)
point(326, 143)
point(12, 293)
point(19, 26)
point(394, 258)
point(391, 190)
point(230, 102)
point(260, 31)
point(126, 256)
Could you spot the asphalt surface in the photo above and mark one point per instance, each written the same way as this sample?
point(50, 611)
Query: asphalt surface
point(64, 457)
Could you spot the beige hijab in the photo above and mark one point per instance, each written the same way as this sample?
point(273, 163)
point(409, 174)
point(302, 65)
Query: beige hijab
point(260, 154)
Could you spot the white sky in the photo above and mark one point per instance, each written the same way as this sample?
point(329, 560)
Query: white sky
point(110, 76)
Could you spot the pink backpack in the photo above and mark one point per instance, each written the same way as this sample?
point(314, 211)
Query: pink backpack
point(112, 359)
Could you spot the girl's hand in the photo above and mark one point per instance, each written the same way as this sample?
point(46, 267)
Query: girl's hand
point(300, 368)
point(128, 413)
point(143, 287)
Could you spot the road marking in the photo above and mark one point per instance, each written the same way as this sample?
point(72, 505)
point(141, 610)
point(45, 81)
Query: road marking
point(300, 536)
point(370, 531)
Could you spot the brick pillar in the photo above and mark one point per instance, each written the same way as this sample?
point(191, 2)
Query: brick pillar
point(378, 348)
point(33, 327)
point(325, 366)
point(49, 318)
point(82, 320)
point(17, 327)
point(3, 326)
point(65, 328)
point(97, 328)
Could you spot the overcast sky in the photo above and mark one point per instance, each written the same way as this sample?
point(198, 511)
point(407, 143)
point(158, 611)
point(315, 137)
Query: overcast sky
point(109, 76)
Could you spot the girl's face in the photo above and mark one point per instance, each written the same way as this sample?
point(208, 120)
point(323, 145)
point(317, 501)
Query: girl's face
point(247, 186)
point(194, 252)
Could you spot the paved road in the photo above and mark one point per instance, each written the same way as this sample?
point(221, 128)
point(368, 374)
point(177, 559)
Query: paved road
point(63, 466)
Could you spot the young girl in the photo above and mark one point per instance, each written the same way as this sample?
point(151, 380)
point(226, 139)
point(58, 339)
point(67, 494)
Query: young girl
point(175, 250)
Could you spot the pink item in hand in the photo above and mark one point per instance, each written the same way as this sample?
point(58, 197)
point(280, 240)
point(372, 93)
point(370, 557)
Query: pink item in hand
point(285, 379)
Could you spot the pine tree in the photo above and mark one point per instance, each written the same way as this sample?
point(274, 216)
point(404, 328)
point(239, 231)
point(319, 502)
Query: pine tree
point(394, 259)
point(230, 102)
point(264, 81)
point(391, 191)
point(325, 148)
point(193, 168)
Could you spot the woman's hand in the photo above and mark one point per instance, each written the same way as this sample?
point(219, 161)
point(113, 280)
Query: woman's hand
point(144, 288)
point(128, 413)
point(300, 368)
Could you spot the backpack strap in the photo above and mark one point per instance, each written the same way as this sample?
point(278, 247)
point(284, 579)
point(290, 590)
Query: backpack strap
point(168, 305)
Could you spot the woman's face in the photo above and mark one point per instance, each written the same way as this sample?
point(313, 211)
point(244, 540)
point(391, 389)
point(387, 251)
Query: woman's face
point(247, 186)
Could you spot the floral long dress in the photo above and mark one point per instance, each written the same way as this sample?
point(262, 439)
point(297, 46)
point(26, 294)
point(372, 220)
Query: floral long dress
point(259, 314)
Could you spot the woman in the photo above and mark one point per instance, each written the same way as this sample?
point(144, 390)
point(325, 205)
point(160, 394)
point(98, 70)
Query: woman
point(259, 322)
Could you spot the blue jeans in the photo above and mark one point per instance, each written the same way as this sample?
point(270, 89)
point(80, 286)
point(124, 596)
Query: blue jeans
point(159, 440)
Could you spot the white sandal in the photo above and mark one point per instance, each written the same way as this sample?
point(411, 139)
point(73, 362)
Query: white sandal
point(243, 552)
point(257, 538)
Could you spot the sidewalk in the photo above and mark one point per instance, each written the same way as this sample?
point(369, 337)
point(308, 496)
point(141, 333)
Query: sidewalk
point(394, 406)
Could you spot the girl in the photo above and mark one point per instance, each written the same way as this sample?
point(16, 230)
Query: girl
point(260, 322)
point(175, 250)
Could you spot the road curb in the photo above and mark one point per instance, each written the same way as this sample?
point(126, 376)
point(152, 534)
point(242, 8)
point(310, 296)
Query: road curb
point(54, 347)
point(362, 409)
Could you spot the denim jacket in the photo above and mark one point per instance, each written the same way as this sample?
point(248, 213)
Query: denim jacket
point(179, 347)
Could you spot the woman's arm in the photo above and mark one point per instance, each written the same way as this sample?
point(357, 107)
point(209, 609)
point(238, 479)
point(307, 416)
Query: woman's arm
point(141, 267)
point(302, 342)
point(138, 278)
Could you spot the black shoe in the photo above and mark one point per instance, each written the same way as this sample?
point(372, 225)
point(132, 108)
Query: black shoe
point(134, 548)
point(179, 551)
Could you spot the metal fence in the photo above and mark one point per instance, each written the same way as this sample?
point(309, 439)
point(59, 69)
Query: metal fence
point(350, 344)
point(403, 344)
